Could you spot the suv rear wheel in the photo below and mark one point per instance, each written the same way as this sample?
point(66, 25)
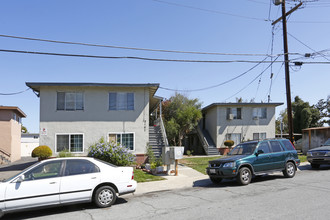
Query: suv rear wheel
point(244, 176)
point(290, 170)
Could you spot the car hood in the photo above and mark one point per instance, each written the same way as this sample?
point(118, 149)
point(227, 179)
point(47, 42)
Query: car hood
point(327, 147)
point(228, 158)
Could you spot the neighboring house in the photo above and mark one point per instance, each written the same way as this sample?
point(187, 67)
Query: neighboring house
point(10, 133)
point(314, 137)
point(238, 122)
point(74, 116)
point(28, 143)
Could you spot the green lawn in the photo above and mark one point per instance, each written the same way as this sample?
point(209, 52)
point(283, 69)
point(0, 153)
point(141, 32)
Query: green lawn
point(198, 163)
point(140, 176)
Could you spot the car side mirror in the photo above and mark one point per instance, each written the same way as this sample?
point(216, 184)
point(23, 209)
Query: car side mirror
point(259, 152)
point(20, 179)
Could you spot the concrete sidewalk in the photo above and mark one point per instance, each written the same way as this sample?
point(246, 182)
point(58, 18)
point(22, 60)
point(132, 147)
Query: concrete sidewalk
point(187, 177)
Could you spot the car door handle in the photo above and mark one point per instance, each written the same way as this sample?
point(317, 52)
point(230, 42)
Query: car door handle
point(93, 178)
point(52, 182)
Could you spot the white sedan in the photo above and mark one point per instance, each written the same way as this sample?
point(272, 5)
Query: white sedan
point(66, 180)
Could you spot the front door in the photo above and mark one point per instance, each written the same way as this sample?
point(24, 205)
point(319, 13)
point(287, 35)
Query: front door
point(40, 187)
point(263, 160)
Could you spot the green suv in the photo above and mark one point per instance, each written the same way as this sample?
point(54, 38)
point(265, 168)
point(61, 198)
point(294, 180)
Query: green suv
point(255, 158)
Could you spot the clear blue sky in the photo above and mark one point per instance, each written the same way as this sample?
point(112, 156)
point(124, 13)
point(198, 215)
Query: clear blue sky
point(230, 27)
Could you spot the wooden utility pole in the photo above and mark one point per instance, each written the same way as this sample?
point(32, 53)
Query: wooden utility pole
point(286, 62)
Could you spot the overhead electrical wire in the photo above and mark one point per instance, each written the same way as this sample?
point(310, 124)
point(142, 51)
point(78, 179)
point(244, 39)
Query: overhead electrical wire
point(252, 80)
point(217, 85)
point(15, 93)
point(134, 48)
point(209, 10)
point(130, 57)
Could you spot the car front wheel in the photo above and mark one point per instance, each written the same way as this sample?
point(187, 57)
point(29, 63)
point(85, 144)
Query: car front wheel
point(105, 196)
point(290, 170)
point(244, 176)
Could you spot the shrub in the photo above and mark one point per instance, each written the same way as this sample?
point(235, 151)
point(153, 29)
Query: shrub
point(42, 152)
point(229, 143)
point(113, 153)
point(65, 153)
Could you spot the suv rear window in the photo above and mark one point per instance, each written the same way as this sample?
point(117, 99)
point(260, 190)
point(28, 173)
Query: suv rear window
point(287, 144)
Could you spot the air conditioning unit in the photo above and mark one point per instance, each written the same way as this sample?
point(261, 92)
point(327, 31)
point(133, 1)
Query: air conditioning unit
point(255, 118)
point(277, 2)
point(230, 116)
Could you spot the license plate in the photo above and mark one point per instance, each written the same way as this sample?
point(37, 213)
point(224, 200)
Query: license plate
point(212, 170)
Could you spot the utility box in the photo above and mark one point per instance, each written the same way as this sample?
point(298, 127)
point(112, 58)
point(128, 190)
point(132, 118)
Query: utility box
point(176, 153)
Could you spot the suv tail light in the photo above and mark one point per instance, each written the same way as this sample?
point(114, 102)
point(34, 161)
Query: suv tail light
point(133, 175)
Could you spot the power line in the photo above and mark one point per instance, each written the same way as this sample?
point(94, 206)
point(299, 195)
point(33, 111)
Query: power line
point(209, 10)
point(131, 48)
point(130, 57)
point(217, 85)
point(15, 93)
point(252, 80)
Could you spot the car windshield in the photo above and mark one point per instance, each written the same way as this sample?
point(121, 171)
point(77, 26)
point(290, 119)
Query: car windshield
point(13, 177)
point(327, 142)
point(243, 149)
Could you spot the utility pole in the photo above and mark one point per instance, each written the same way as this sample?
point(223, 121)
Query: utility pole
point(286, 62)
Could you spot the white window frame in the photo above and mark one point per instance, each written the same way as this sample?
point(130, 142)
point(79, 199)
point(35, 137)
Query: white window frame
point(228, 137)
point(260, 133)
point(78, 152)
point(257, 113)
point(121, 133)
point(117, 101)
point(75, 101)
point(234, 112)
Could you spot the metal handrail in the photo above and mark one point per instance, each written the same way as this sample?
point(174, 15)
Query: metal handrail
point(5, 153)
point(162, 128)
point(203, 139)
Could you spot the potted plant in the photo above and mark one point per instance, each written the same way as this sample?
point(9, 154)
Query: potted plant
point(228, 144)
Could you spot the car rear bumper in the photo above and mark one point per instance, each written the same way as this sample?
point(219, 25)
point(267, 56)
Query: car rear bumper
point(130, 187)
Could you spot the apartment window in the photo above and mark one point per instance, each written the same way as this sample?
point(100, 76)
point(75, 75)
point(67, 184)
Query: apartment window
point(125, 139)
point(234, 113)
point(121, 101)
point(69, 142)
point(236, 137)
point(259, 136)
point(260, 113)
point(70, 101)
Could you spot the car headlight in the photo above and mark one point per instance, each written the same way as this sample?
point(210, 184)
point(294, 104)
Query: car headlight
point(230, 164)
point(309, 154)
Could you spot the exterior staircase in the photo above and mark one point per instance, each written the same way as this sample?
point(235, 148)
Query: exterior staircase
point(156, 140)
point(4, 157)
point(207, 142)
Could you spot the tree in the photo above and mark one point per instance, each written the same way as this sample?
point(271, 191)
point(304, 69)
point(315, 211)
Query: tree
point(283, 117)
point(181, 115)
point(324, 107)
point(24, 129)
point(304, 115)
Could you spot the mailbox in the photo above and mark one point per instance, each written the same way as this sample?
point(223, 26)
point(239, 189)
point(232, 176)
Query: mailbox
point(176, 153)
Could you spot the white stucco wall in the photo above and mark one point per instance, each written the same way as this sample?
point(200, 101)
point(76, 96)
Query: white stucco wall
point(95, 121)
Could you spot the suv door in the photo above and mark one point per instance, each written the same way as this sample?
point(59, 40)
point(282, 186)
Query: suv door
point(278, 155)
point(263, 160)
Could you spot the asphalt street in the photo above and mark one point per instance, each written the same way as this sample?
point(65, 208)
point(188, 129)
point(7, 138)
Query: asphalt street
point(306, 196)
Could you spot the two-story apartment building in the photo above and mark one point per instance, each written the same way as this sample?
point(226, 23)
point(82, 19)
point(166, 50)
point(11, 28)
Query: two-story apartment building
point(239, 121)
point(10, 133)
point(74, 116)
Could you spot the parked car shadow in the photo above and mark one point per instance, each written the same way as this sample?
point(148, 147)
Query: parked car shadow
point(308, 167)
point(37, 213)
point(207, 183)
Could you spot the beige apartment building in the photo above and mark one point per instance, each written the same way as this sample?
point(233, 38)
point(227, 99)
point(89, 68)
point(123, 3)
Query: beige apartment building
point(10, 133)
